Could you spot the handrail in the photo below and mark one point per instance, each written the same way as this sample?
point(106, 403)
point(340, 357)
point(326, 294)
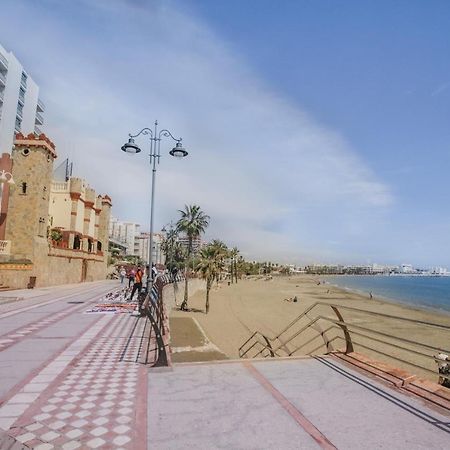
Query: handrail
point(261, 345)
point(154, 309)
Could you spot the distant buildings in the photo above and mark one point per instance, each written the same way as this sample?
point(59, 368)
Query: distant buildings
point(196, 242)
point(125, 233)
point(128, 237)
point(21, 110)
point(372, 269)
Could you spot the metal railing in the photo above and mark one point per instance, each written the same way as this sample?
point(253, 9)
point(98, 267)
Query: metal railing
point(303, 332)
point(4, 61)
point(154, 309)
point(39, 119)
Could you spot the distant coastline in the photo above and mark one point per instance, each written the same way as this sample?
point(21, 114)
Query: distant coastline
point(425, 292)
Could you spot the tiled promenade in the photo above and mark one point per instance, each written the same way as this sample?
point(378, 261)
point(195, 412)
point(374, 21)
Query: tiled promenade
point(75, 380)
point(90, 392)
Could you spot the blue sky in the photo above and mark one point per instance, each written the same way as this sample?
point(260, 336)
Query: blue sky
point(318, 130)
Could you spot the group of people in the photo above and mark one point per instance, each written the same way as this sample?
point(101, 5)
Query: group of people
point(135, 276)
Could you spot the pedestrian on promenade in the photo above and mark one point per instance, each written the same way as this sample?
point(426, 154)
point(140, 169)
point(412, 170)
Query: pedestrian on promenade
point(154, 272)
point(137, 282)
point(122, 274)
point(131, 274)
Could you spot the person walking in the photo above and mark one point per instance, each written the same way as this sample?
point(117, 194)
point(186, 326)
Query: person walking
point(137, 282)
point(154, 272)
point(122, 274)
point(131, 274)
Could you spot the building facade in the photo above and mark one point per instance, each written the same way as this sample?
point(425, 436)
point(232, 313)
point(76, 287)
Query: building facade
point(57, 232)
point(21, 110)
point(157, 255)
point(126, 233)
point(135, 240)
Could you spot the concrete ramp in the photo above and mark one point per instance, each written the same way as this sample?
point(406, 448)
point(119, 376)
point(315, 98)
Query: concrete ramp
point(307, 403)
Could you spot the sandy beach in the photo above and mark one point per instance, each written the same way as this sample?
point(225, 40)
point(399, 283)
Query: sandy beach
point(265, 304)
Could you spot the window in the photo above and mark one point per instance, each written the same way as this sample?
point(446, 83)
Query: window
point(24, 187)
point(41, 231)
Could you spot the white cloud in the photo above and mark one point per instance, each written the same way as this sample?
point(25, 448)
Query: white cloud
point(272, 179)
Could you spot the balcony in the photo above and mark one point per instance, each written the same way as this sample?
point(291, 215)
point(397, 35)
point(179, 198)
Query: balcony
point(3, 63)
point(60, 186)
point(40, 106)
point(2, 79)
point(23, 80)
point(37, 131)
point(20, 112)
point(2, 95)
point(39, 119)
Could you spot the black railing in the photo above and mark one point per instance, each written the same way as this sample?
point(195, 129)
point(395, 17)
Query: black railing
point(154, 308)
point(296, 337)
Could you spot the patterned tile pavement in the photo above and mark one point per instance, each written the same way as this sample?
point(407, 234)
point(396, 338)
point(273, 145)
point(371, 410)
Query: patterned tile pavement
point(93, 395)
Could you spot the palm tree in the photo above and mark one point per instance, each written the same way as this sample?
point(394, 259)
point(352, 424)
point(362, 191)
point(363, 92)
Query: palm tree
point(221, 254)
point(209, 266)
point(168, 247)
point(234, 252)
point(193, 223)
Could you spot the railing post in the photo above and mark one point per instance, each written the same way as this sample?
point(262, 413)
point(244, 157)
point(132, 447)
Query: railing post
point(348, 339)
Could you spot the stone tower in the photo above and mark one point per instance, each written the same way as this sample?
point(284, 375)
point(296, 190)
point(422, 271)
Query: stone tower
point(27, 223)
point(103, 222)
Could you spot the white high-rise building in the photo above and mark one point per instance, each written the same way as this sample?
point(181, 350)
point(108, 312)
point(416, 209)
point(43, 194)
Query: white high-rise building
point(157, 254)
point(20, 107)
point(126, 232)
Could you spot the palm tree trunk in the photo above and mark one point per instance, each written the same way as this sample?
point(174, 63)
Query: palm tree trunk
point(231, 271)
point(184, 305)
point(208, 287)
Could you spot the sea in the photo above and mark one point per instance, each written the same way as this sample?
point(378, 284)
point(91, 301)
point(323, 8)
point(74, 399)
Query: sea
point(418, 291)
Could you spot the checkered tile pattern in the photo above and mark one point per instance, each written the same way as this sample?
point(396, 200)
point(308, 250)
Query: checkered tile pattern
point(92, 404)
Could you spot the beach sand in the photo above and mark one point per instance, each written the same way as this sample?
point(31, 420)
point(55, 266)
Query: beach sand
point(262, 304)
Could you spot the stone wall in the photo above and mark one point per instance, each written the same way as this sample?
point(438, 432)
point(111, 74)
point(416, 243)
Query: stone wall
point(15, 279)
point(56, 271)
point(27, 219)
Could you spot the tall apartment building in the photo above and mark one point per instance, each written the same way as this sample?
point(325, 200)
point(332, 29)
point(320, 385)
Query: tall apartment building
point(126, 232)
point(136, 241)
point(20, 107)
point(157, 254)
point(197, 242)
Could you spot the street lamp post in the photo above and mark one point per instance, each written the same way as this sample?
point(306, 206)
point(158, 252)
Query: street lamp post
point(155, 154)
